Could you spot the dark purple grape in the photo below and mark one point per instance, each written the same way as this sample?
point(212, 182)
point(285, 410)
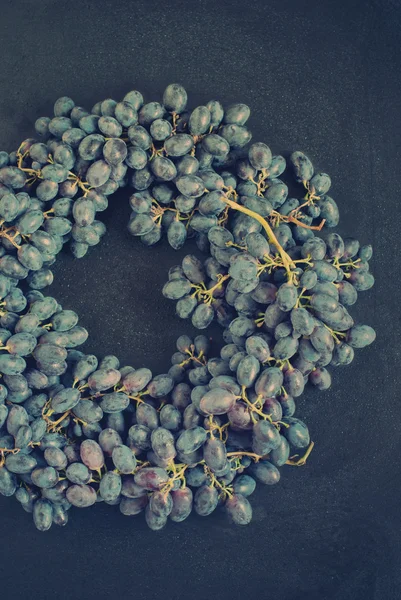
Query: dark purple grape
point(239, 509)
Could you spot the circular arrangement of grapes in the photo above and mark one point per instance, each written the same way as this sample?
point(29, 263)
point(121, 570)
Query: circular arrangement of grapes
point(75, 429)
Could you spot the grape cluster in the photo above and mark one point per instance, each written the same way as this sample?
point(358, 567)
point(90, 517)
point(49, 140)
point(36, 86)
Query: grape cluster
point(76, 430)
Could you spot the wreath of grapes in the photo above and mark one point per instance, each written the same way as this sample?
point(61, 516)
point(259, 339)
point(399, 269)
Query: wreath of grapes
point(75, 430)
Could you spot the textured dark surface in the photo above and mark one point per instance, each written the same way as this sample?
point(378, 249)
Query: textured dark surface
point(323, 77)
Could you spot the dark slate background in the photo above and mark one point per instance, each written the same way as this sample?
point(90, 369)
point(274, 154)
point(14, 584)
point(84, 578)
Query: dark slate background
point(323, 77)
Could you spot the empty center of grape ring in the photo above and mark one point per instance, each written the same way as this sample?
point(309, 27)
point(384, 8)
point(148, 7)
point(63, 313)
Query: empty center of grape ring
point(77, 429)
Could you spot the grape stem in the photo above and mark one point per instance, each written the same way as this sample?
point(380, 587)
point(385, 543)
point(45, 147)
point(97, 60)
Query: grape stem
point(301, 461)
point(287, 261)
point(221, 430)
point(225, 490)
point(256, 457)
point(310, 196)
point(197, 359)
point(292, 219)
point(205, 294)
point(335, 334)
point(4, 233)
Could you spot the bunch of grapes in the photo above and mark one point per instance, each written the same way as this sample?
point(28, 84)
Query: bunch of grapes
point(76, 430)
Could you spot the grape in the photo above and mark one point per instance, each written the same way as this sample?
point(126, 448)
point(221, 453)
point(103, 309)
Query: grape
point(205, 500)
point(343, 354)
point(8, 482)
point(274, 315)
point(170, 417)
point(218, 367)
point(247, 371)
point(190, 440)
point(56, 458)
point(163, 168)
point(362, 281)
point(43, 514)
point(216, 112)
point(280, 455)
point(162, 442)
point(239, 510)
point(265, 472)
point(3, 413)
point(38, 426)
point(109, 126)
point(199, 120)
point(175, 98)
point(161, 504)
point(60, 515)
point(151, 478)
point(285, 348)
point(140, 137)
point(84, 367)
point(360, 336)
point(20, 463)
point(185, 307)
point(131, 490)
point(244, 485)
point(91, 454)
point(177, 234)
point(103, 379)
point(215, 145)
point(181, 396)
point(257, 245)
point(98, 173)
point(302, 166)
point(321, 340)
point(149, 113)
point(320, 183)
point(21, 494)
point(89, 123)
point(78, 473)
point(65, 400)
point(110, 486)
point(46, 477)
point(347, 293)
point(11, 267)
point(329, 211)
point(114, 403)
point(267, 434)
point(297, 433)
point(202, 316)
point(42, 125)
point(88, 411)
point(134, 98)
point(294, 382)
point(81, 496)
point(108, 440)
point(212, 204)
point(11, 364)
point(286, 297)
point(215, 454)
point(217, 401)
point(302, 321)
point(269, 382)
point(123, 458)
point(133, 506)
point(154, 521)
point(182, 504)
point(52, 440)
point(273, 408)
point(137, 380)
point(126, 113)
